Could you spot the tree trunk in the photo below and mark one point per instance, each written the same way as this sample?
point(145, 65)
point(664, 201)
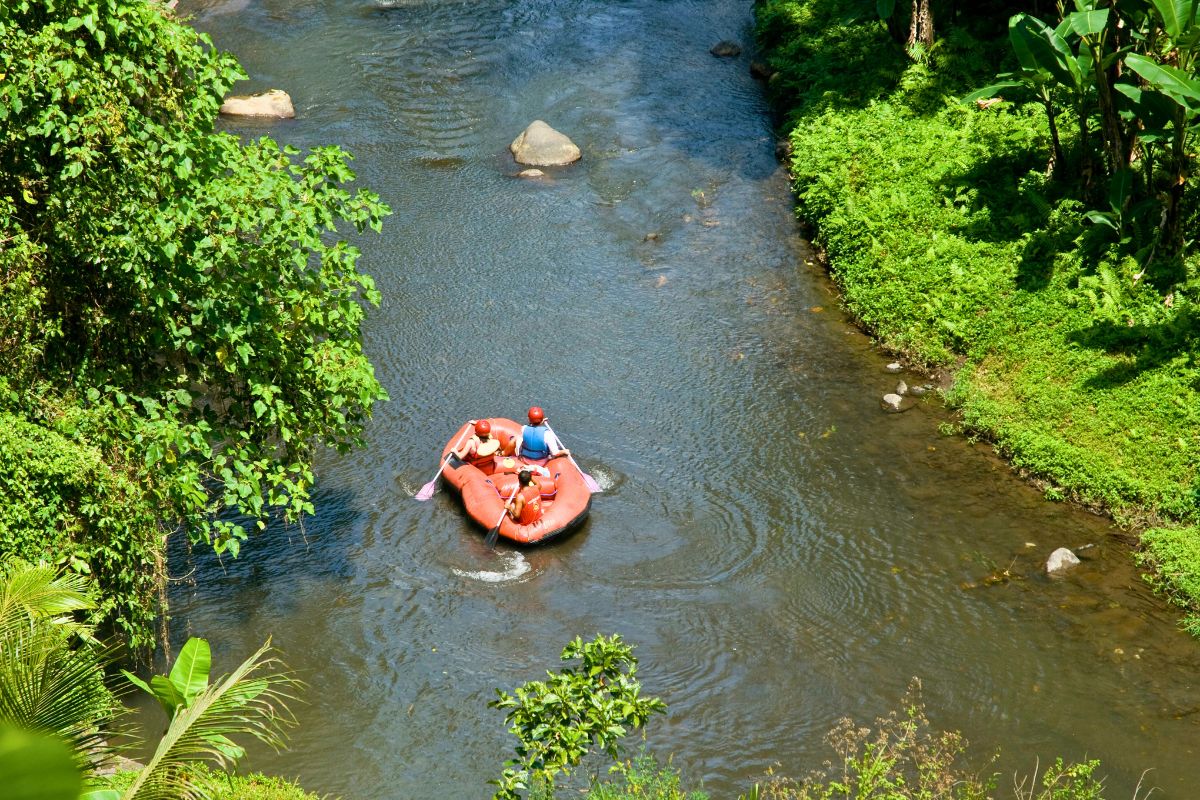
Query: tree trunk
point(1173, 227)
point(1056, 153)
point(920, 29)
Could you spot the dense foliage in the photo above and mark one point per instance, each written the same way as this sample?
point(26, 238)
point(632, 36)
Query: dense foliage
point(55, 696)
point(960, 238)
point(904, 758)
point(177, 311)
point(557, 722)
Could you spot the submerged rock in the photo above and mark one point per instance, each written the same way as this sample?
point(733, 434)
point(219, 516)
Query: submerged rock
point(1060, 560)
point(531, 173)
point(274, 103)
point(540, 145)
point(726, 49)
point(894, 367)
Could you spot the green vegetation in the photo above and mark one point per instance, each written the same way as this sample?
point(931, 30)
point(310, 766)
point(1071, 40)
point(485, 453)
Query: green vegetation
point(223, 786)
point(558, 721)
point(1046, 265)
point(55, 698)
point(179, 319)
point(902, 758)
point(642, 778)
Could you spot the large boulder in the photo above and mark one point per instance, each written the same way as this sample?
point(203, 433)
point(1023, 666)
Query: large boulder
point(274, 103)
point(539, 145)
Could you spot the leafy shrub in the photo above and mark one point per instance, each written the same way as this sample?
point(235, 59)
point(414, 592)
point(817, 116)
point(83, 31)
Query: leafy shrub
point(903, 758)
point(63, 502)
point(642, 778)
point(558, 721)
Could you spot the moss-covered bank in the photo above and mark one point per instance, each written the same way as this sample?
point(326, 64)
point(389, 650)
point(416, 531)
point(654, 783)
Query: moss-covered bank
point(952, 246)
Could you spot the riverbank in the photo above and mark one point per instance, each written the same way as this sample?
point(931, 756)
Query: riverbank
point(952, 247)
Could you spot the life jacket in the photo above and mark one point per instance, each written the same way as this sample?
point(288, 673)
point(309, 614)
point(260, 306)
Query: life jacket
point(531, 512)
point(533, 442)
point(484, 453)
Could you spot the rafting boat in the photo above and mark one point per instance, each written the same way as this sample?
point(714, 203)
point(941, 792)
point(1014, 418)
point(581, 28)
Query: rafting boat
point(487, 484)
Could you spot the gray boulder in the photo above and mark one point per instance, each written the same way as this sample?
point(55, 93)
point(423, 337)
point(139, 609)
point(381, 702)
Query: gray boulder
point(539, 145)
point(273, 103)
point(1060, 560)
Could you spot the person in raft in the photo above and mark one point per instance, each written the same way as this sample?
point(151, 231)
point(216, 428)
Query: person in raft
point(536, 443)
point(481, 449)
point(525, 507)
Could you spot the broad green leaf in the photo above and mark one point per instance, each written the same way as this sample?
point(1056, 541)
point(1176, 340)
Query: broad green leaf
point(1153, 108)
point(136, 681)
point(1101, 218)
point(991, 91)
point(1088, 23)
point(1174, 83)
point(1177, 15)
point(190, 672)
point(35, 766)
point(169, 696)
point(1038, 47)
point(1119, 189)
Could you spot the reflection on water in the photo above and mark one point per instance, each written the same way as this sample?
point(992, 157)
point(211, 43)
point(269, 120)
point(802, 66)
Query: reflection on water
point(781, 551)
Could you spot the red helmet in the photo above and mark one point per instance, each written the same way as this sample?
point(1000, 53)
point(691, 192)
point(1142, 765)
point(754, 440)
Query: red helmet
point(483, 428)
point(536, 415)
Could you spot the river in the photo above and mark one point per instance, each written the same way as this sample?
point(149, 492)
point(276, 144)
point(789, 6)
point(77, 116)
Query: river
point(781, 551)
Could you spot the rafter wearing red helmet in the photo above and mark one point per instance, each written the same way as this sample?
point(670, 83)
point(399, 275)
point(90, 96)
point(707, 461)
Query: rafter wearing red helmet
point(537, 444)
point(482, 448)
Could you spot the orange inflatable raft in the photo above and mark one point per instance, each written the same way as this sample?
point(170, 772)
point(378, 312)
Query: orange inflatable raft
point(565, 498)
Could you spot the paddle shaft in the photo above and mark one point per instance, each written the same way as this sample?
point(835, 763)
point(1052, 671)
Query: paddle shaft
point(588, 480)
point(427, 489)
point(490, 541)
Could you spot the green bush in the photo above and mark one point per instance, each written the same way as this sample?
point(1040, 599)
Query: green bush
point(63, 502)
point(953, 247)
point(642, 778)
point(903, 758)
point(254, 786)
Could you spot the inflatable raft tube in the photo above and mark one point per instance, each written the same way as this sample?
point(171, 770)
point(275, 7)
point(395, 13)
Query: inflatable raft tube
point(565, 497)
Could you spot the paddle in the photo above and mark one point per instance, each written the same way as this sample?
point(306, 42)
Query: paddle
point(428, 489)
point(588, 480)
point(494, 533)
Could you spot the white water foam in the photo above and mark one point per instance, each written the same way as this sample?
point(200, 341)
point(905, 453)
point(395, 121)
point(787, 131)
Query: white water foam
point(514, 568)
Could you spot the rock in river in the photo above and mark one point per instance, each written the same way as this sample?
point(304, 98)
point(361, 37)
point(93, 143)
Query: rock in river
point(1060, 560)
point(275, 103)
point(726, 49)
point(540, 145)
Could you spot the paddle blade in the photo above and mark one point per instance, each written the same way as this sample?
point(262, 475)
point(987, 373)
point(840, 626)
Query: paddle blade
point(492, 536)
point(590, 483)
point(427, 490)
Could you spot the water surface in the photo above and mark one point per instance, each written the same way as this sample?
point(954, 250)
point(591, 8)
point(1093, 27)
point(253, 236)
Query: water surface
point(781, 551)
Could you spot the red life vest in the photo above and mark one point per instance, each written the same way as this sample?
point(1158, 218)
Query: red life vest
point(532, 510)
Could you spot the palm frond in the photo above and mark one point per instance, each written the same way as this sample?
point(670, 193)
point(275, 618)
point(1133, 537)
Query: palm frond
point(45, 685)
point(244, 703)
point(31, 592)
